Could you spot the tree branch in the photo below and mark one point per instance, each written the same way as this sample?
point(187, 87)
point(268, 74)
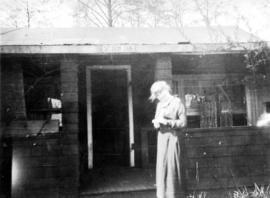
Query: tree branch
point(109, 7)
point(205, 17)
point(94, 11)
point(100, 8)
point(46, 74)
point(93, 21)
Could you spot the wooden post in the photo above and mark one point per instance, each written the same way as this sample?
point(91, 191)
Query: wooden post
point(254, 104)
point(69, 185)
point(163, 70)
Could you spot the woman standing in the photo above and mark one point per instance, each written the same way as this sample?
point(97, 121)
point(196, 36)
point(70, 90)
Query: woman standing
point(170, 115)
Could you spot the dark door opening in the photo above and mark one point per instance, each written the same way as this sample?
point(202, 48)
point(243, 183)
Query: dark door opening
point(110, 120)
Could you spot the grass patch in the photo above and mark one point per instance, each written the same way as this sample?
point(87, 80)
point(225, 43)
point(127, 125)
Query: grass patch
point(244, 192)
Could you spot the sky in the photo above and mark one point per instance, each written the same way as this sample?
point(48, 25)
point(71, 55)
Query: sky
point(59, 13)
point(258, 15)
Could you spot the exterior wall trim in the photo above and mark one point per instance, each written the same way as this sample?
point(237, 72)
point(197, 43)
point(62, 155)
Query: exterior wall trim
point(126, 48)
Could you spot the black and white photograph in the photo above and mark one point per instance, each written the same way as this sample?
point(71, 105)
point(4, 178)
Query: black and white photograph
point(135, 99)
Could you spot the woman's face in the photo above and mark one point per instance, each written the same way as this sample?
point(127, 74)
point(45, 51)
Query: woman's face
point(161, 94)
point(157, 94)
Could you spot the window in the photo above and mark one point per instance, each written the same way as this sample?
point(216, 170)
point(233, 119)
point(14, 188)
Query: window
point(212, 100)
point(42, 92)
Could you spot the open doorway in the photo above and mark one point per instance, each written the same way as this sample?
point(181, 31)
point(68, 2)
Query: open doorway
point(109, 116)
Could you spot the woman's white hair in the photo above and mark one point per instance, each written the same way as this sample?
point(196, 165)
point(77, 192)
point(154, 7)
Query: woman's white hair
point(158, 86)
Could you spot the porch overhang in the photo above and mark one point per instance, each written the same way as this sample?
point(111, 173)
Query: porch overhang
point(126, 40)
point(200, 48)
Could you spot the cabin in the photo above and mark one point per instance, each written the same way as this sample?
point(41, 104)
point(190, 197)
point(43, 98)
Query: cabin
point(76, 119)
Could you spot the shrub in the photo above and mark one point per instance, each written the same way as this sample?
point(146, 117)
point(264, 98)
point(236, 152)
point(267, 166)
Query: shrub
point(258, 192)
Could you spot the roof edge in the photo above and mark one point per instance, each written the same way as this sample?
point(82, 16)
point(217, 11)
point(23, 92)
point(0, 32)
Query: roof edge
point(127, 48)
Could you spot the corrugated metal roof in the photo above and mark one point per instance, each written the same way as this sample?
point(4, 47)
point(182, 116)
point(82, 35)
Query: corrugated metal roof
point(111, 36)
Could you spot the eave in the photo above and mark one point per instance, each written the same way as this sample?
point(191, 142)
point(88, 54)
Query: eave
point(129, 48)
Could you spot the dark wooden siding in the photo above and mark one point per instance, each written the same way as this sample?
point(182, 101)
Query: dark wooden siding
point(209, 63)
point(238, 153)
point(38, 166)
point(13, 102)
point(220, 158)
point(69, 182)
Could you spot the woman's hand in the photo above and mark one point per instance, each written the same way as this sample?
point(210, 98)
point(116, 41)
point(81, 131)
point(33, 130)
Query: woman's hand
point(156, 124)
point(158, 121)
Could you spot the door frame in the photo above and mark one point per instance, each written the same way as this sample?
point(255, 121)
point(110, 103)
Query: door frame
point(126, 68)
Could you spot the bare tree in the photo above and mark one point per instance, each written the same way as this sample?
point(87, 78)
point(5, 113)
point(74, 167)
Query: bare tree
point(19, 13)
point(101, 13)
point(27, 13)
point(134, 13)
